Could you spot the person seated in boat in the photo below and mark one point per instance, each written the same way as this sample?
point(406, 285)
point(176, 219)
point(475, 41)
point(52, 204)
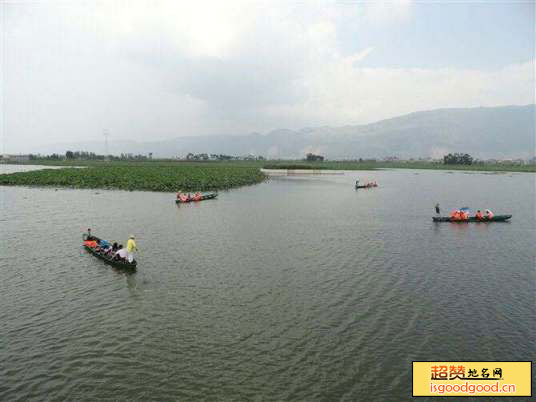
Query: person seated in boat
point(197, 196)
point(184, 197)
point(458, 215)
point(90, 243)
point(105, 247)
point(489, 214)
point(478, 215)
point(121, 254)
point(108, 252)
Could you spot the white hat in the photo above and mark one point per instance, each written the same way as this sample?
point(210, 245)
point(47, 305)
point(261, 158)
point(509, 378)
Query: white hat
point(131, 236)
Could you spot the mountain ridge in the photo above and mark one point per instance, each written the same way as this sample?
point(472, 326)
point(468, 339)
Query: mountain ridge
point(484, 132)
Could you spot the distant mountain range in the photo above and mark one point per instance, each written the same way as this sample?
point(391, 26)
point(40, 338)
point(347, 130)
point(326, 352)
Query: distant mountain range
point(490, 132)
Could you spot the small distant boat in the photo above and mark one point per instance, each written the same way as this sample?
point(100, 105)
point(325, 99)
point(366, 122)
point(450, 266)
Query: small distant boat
point(107, 259)
point(371, 185)
point(203, 197)
point(496, 218)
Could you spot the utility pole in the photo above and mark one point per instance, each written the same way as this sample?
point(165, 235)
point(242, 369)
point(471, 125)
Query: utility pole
point(106, 134)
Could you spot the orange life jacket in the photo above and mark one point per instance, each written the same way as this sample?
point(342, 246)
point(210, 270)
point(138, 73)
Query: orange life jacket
point(90, 243)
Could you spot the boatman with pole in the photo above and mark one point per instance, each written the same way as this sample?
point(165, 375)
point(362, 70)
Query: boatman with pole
point(437, 210)
point(131, 247)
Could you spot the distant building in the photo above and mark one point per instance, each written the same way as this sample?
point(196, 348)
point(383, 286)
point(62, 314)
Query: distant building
point(391, 159)
point(15, 158)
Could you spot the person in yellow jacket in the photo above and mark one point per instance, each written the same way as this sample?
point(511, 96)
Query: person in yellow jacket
point(131, 247)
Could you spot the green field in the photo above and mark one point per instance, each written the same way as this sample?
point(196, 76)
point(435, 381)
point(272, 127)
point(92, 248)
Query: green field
point(150, 176)
point(172, 175)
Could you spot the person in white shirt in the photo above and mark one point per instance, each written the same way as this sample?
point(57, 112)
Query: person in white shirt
point(121, 253)
point(489, 214)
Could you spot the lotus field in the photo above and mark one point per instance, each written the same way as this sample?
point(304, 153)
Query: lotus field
point(149, 177)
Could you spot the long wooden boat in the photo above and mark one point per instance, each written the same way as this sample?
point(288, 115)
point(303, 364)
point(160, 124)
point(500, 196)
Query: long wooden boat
point(203, 198)
point(118, 264)
point(356, 187)
point(496, 218)
point(107, 259)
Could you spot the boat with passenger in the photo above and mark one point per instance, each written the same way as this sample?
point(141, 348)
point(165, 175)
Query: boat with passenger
point(183, 198)
point(462, 215)
point(369, 184)
point(112, 254)
point(495, 218)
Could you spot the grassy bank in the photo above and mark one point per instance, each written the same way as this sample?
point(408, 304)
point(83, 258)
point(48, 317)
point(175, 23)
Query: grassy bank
point(440, 166)
point(367, 165)
point(150, 176)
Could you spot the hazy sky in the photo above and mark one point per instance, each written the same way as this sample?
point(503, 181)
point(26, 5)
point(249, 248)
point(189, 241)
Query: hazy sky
point(148, 70)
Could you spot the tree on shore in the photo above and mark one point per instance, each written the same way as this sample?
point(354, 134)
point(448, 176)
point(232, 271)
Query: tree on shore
point(314, 158)
point(458, 159)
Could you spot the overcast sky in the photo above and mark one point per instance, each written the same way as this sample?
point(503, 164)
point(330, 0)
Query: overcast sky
point(149, 70)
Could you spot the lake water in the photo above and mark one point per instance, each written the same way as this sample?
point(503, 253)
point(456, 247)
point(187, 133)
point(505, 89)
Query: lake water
point(6, 168)
point(300, 288)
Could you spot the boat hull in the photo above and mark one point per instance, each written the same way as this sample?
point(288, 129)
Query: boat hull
point(496, 218)
point(203, 198)
point(357, 187)
point(109, 261)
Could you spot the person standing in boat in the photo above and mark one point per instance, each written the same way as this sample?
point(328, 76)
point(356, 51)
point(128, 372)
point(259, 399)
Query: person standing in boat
point(437, 209)
point(357, 183)
point(131, 247)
